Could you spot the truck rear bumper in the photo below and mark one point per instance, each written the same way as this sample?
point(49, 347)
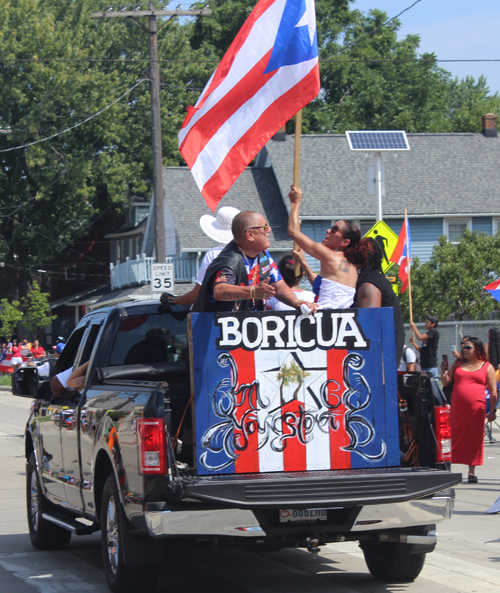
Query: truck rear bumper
point(243, 522)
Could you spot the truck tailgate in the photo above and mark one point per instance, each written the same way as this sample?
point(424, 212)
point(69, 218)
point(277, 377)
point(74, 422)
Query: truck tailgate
point(334, 487)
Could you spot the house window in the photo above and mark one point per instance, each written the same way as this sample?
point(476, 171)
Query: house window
point(140, 214)
point(496, 225)
point(455, 228)
point(365, 226)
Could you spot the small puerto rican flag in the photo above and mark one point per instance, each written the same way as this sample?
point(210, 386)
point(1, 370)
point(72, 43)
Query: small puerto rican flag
point(401, 257)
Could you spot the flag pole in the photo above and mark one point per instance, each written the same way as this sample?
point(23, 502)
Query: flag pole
point(408, 263)
point(296, 171)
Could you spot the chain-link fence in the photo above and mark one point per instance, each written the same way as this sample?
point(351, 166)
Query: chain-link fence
point(451, 332)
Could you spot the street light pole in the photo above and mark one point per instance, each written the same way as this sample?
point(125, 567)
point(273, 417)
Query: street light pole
point(378, 167)
point(154, 86)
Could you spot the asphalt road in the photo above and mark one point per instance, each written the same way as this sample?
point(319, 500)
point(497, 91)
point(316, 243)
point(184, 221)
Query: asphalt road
point(467, 558)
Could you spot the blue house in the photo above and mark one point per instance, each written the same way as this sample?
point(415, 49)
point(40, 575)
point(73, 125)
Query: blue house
point(447, 182)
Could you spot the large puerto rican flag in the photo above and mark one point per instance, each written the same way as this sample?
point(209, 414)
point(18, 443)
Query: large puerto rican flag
point(269, 72)
point(400, 255)
point(263, 408)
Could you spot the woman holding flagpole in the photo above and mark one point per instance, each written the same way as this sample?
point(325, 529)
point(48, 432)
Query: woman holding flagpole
point(335, 285)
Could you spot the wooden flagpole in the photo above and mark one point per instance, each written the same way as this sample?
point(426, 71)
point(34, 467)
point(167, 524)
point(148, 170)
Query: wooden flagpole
point(408, 265)
point(296, 170)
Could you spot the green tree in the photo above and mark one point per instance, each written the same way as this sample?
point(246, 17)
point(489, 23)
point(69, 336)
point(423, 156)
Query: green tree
point(376, 83)
point(60, 67)
point(10, 316)
point(36, 310)
point(469, 100)
point(452, 281)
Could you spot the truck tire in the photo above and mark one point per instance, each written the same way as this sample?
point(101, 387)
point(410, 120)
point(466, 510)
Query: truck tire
point(120, 577)
point(43, 534)
point(388, 562)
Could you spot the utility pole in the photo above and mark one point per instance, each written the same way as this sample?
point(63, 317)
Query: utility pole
point(154, 86)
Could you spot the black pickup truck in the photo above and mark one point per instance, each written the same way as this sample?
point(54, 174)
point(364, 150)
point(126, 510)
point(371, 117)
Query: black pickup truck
point(178, 433)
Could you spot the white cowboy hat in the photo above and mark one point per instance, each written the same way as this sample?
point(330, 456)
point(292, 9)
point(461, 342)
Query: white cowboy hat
point(219, 228)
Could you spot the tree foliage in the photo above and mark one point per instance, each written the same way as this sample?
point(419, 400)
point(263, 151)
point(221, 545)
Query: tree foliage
point(60, 67)
point(452, 281)
point(35, 310)
point(10, 316)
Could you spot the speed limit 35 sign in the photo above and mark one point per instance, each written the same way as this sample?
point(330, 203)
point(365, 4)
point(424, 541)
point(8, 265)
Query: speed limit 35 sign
point(162, 276)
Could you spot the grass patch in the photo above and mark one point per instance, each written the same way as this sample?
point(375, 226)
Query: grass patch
point(6, 380)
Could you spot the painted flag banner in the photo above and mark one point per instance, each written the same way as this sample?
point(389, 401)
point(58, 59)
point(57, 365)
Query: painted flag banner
point(399, 255)
point(269, 72)
point(281, 391)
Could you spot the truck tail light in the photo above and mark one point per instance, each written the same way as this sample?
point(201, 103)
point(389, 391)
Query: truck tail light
point(443, 433)
point(152, 446)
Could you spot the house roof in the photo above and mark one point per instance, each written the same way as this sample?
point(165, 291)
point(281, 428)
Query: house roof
point(442, 174)
point(255, 189)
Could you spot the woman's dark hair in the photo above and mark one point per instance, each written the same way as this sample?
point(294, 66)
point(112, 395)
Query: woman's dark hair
point(352, 233)
point(479, 346)
point(494, 346)
point(286, 266)
point(367, 255)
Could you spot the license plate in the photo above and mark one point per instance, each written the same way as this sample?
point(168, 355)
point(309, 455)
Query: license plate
point(302, 516)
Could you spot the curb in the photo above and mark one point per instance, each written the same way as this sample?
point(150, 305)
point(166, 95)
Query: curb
point(5, 388)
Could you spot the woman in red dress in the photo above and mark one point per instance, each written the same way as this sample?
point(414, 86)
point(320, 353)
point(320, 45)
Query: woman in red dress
point(471, 374)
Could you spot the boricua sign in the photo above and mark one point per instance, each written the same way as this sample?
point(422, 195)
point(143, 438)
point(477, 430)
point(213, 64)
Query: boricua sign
point(281, 391)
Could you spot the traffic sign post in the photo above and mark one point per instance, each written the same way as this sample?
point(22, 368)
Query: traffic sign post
point(387, 240)
point(162, 276)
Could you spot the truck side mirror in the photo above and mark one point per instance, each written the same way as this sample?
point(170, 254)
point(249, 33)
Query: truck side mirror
point(25, 382)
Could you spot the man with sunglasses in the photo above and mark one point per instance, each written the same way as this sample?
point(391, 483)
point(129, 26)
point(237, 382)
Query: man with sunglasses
point(429, 346)
point(244, 274)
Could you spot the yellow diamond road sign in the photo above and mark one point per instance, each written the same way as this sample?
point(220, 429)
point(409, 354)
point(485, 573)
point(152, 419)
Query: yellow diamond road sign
point(386, 239)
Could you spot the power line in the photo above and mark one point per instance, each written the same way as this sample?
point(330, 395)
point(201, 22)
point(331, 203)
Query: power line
point(80, 123)
point(217, 61)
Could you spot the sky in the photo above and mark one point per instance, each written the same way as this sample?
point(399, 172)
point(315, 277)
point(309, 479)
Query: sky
point(451, 29)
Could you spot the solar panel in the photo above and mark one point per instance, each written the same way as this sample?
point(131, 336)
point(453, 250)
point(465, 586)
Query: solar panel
point(378, 141)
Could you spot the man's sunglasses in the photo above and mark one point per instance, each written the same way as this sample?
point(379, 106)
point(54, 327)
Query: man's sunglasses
point(265, 227)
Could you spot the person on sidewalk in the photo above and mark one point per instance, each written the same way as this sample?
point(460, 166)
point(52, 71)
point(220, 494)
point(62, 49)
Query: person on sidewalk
point(429, 346)
point(471, 375)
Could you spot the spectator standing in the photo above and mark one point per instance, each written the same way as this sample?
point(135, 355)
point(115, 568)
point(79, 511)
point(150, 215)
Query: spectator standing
point(471, 375)
point(16, 359)
point(37, 350)
point(429, 346)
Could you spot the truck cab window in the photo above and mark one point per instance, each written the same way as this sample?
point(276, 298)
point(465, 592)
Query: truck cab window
point(67, 358)
point(149, 339)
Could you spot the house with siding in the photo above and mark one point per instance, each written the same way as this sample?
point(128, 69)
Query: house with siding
point(447, 182)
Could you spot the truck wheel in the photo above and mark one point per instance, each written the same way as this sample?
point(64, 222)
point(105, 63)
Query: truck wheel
point(43, 534)
point(387, 562)
point(120, 577)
